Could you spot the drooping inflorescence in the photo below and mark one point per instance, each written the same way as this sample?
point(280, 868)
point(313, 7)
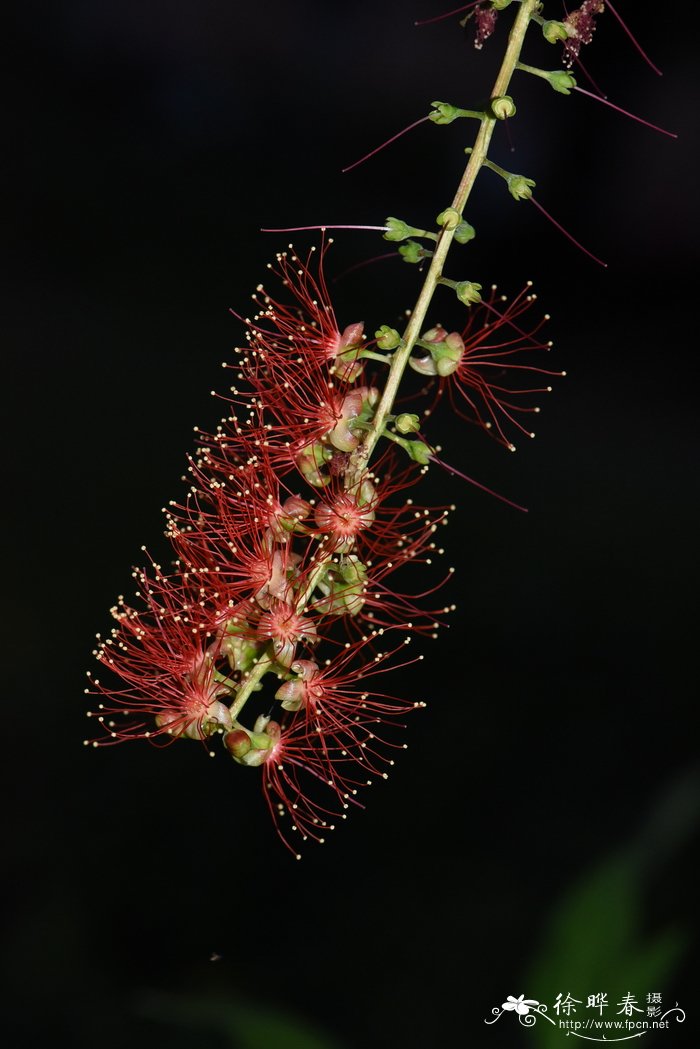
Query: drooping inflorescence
point(287, 593)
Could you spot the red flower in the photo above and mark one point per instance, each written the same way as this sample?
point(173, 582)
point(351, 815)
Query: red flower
point(481, 366)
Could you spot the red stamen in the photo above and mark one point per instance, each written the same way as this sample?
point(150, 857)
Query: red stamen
point(388, 142)
point(567, 234)
point(448, 14)
point(626, 113)
point(634, 40)
point(489, 491)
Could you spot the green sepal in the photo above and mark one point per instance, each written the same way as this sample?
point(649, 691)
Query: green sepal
point(554, 32)
point(468, 292)
point(562, 81)
point(413, 252)
point(407, 422)
point(387, 338)
point(464, 233)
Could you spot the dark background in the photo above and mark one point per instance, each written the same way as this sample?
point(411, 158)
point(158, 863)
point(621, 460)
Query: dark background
point(539, 835)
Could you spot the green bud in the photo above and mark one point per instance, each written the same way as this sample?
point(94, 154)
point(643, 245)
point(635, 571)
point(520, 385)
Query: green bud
point(562, 81)
point(412, 251)
point(554, 32)
point(387, 338)
point(500, 5)
point(502, 107)
point(464, 233)
point(444, 113)
point(419, 452)
point(520, 187)
point(450, 218)
point(407, 422)
point(467, 292)
point(397, 229)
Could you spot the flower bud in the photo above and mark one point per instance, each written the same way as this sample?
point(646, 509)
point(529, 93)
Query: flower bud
point(387, 338)
point(464, 233)
point(468, 292)
point(419, 452)
point(449, 218)
point(553, 32)
point(520, 187)
point(237, 743)
point(562, 81)
point(502, 107)
point(500, 5)
point(413, 252)
point(407, 423)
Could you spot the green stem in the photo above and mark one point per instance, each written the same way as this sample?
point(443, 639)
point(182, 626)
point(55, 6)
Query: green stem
point(544, 73)
point(476, 159)
point(265, 663)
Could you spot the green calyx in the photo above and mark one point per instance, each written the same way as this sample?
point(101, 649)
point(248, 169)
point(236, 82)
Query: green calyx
point(558, 79)
point(502, 107)
point(450, 219)
point(554, 32)
point(311, 461)
point(413, 252)
point(387, 338)
point(407, 422)
point(346, 583)
point(562, 81)
point(468, 292)
point(500, 5)
point(398, 230)
point(519, 186)
point(445, 113)
point(418, 451)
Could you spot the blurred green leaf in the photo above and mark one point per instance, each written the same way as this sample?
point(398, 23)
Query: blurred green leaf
point(241, 1026)
point(595, 939)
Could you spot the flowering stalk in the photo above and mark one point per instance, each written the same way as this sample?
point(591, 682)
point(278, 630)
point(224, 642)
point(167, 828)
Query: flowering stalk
point(298, 523)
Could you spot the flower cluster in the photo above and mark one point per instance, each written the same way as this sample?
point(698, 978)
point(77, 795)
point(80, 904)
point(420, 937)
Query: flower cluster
point(282, 603)
point(284, 542)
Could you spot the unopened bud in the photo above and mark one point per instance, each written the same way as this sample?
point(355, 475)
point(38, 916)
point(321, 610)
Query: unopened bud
point(464, 233)
point(553, 32)
point(450, 218)
point(468, 292)
point(407, 423)
point(502, 107)
point(419, 452)
point(387, 338)
point(500, 5)
point(237, 743)
point(562, 81)
point(412, 251)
